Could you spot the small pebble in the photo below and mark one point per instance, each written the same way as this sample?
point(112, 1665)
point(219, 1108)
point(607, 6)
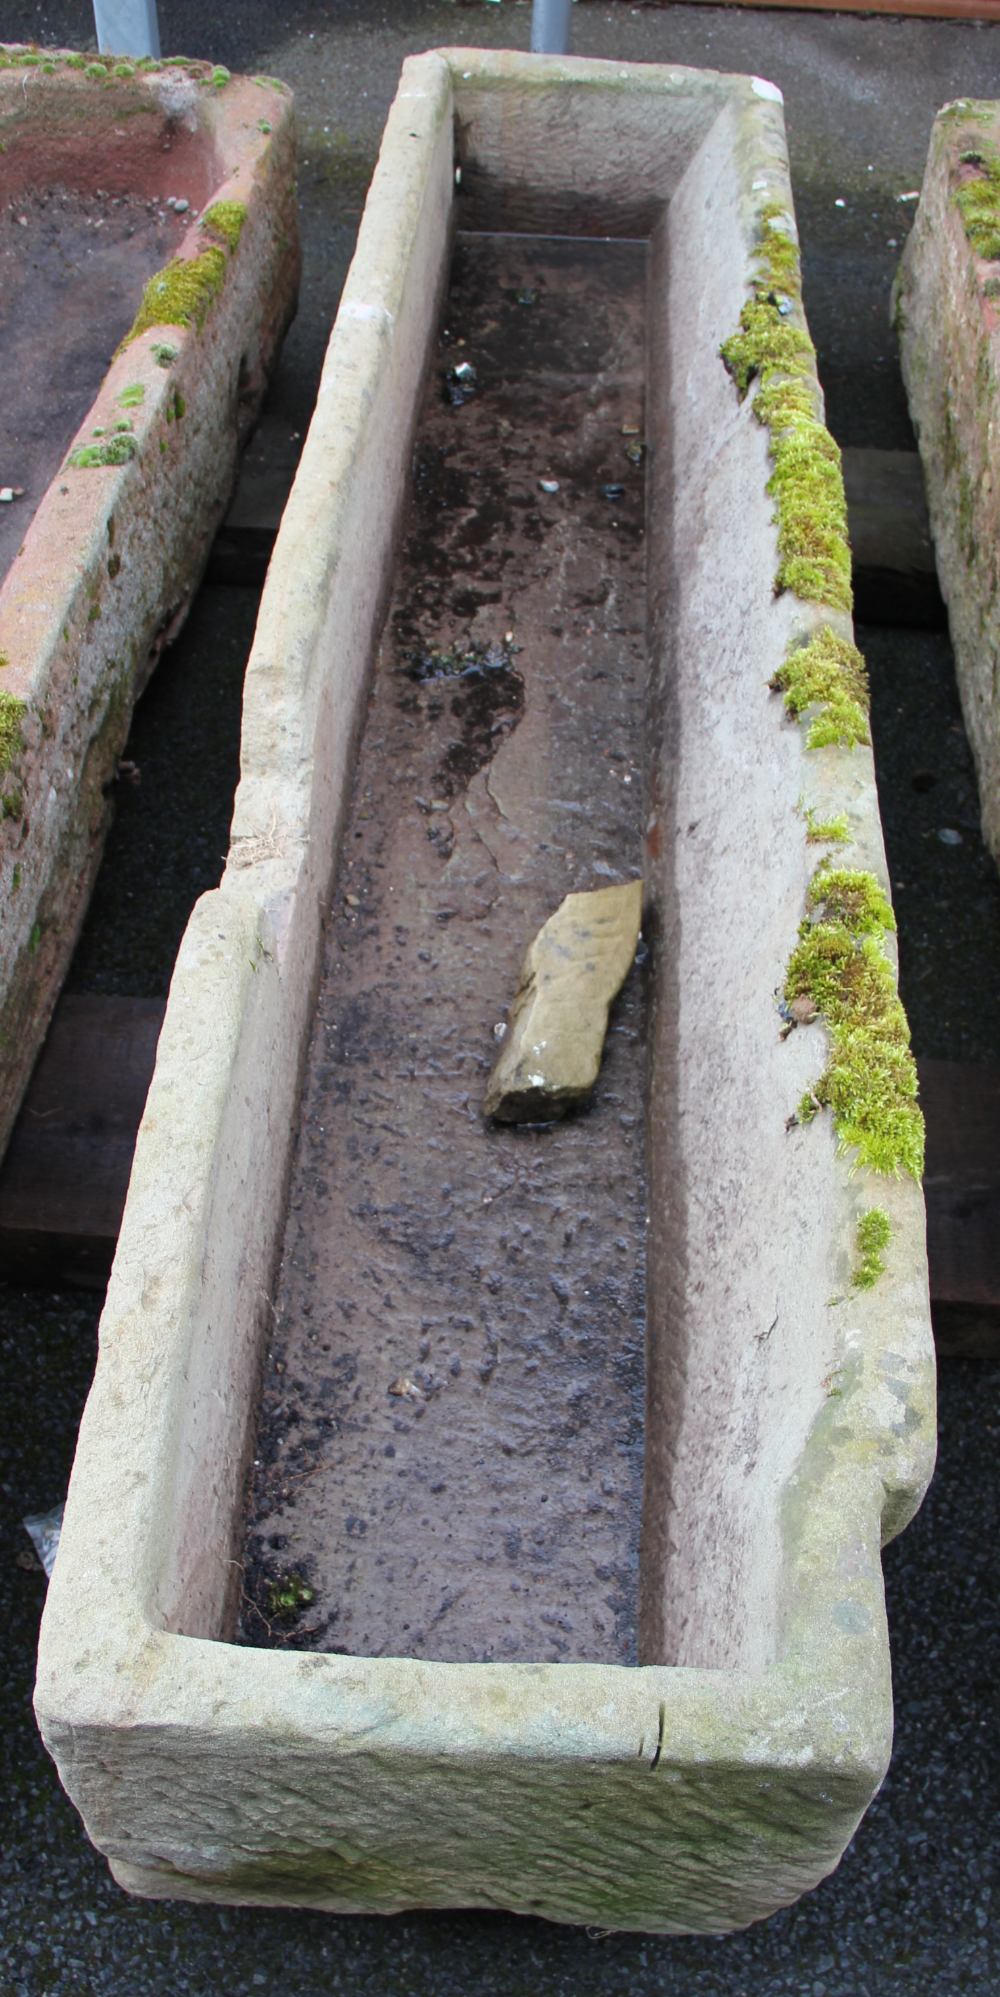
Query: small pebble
point(612, 491)
point(948, 836)
point(549, 484)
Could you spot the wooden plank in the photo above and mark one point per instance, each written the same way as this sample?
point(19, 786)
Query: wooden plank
point(895, 578)
point(64, 1178)
point(961, 1104)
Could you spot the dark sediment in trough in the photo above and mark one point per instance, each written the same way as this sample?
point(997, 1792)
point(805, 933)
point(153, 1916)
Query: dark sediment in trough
point(72, 271)
point(449, 1456)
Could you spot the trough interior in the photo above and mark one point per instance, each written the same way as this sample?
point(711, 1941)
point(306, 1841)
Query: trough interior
point(83, 226)
point(738, 1338)
point(450, 1447)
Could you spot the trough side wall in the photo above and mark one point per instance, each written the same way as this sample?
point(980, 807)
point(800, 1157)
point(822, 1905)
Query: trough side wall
point(949, 340)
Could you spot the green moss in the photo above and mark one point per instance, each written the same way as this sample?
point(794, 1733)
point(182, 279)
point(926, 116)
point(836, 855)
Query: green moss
point(870, 1080)
point(272, 83)
point(123, 69)
point(131, 396)
point(96, 69)
point(11, 729)
point(828, 674)
point(807, 485)
point(978, 201)
point(225, 220)
point(11, 804)
point(825, 831)
point(874, 1234)
point(289, 1596)
point(847, 896)
point(218, 77)
point(115, 450)
point(181, 294)
point(163, 355)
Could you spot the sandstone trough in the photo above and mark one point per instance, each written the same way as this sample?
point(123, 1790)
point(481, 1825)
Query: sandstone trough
point(482, 1516)
point(150, 266)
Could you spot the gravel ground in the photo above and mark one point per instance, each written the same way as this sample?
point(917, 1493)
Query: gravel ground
point(909, 1908)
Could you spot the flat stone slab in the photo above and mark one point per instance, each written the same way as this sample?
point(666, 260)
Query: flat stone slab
point(947, 315)
point(575, 966)
point(148, 212)
point(789, 1386)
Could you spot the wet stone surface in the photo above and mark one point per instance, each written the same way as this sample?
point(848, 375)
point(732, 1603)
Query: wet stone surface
point(72, 271)
point(449, 1461)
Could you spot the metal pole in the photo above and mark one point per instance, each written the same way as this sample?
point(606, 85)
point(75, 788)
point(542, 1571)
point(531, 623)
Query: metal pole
point(127, 27)
point(550, 31)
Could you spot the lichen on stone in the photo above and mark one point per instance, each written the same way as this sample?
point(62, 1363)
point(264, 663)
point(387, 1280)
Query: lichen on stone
point(828, 674)
point(11, 729)
point(181, 294)
point(874, 1233)
point(870, 1080)
point(225, 220)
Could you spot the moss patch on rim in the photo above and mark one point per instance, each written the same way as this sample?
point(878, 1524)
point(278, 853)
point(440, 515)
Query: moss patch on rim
point(870, 1080)
point(827, 675)
point(772, 349)
point(978, 199)
point(225, 219)
point(181, 294)
point(12, 713)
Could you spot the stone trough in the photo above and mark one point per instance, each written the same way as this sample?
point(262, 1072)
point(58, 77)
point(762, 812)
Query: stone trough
point(468, 1515)
point(148, 221)
point(947, 312)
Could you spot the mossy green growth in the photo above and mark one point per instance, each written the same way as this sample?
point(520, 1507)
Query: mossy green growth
point(826, 831)
point(848, 896)
point(115, 450)
point(133, 395)
point(181, 294)
point(807, 484)
point(828, 674)
point(874, 1233)
point(225, 220)
point(978, 201)
point(289, 1596)
point(870, 1080)
point(11, 729)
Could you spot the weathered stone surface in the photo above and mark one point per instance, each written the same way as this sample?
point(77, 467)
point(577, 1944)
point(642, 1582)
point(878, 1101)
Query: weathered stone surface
point(787, 1436)
point(947, 319)
point(118, 540)
point(575, 966)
